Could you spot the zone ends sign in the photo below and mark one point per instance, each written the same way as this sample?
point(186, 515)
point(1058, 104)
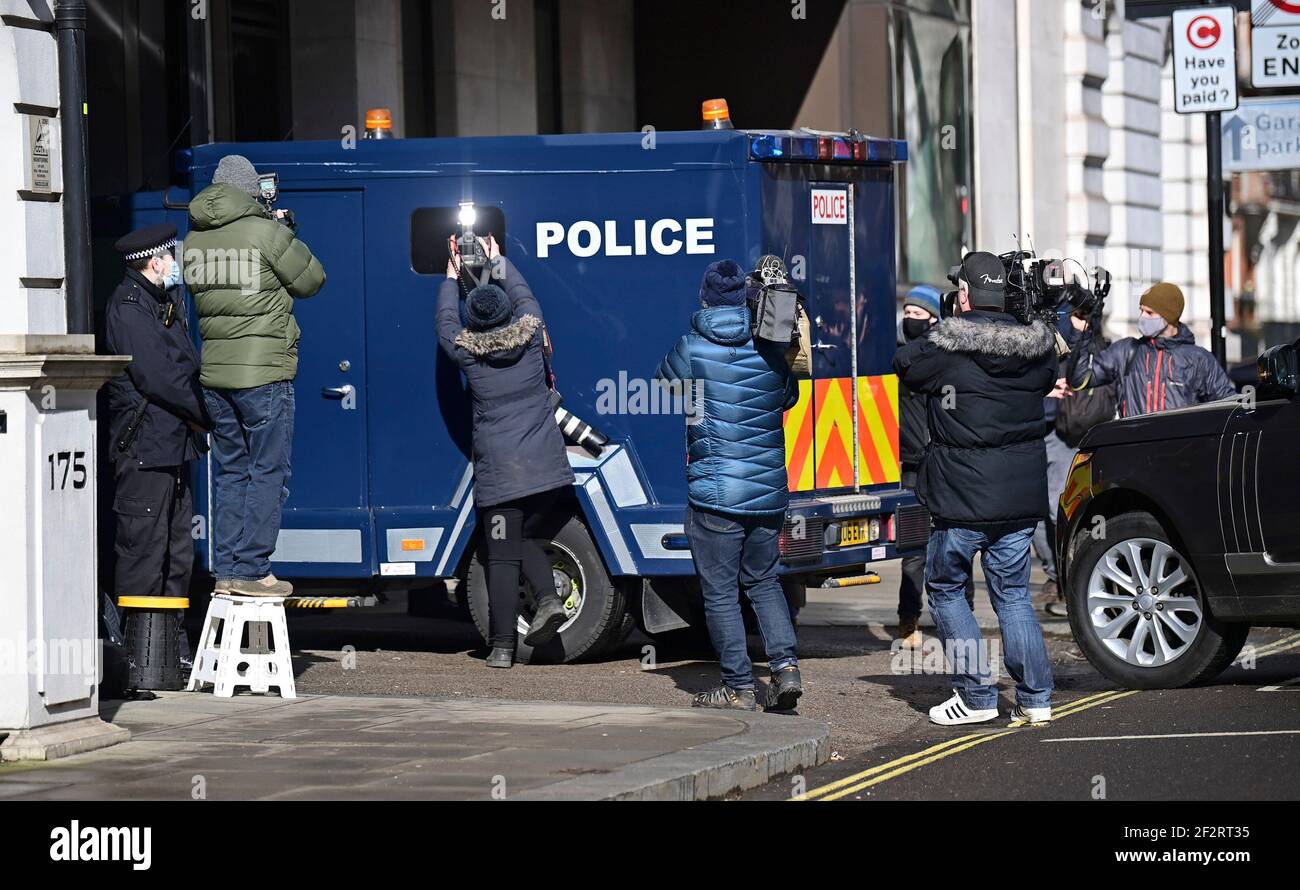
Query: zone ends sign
point(1205, 59)
point(1274, 13)
point(1275, 43)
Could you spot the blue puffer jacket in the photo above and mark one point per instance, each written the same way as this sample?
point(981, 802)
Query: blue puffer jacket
point(735, 458)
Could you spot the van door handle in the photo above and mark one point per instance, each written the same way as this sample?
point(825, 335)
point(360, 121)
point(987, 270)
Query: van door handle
point(825, 346)
point(337, 392)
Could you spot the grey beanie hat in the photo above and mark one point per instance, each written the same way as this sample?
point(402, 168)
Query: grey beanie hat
point(238, 171)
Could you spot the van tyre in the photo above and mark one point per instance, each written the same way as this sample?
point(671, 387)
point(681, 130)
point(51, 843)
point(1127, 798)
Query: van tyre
point(1139, 612)
point(596, 621)
point(631, 590)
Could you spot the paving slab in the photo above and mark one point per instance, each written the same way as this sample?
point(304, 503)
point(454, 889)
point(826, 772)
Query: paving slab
point(325, 747)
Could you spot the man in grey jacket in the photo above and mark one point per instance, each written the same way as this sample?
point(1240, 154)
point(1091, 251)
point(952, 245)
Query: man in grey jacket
point(1161, 370)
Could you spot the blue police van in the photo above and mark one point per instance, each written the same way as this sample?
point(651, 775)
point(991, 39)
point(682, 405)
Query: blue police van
point(613, 233)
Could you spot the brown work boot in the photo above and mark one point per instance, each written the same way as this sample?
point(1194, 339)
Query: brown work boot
point(268, 586)
point(909, 631)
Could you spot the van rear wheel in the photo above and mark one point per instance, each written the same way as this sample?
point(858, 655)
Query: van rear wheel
point(595, 605)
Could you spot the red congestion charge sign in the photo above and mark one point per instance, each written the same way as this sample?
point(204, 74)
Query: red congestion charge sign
point(1205, 59)
point(830, 207)
point(1203, 32)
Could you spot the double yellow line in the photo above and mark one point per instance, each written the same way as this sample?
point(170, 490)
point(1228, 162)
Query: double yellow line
point(886, 771)
point(1283, 645)
point(897, 767)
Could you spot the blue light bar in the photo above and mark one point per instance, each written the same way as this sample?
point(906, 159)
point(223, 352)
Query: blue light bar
point(768, 147)
point(776, 147)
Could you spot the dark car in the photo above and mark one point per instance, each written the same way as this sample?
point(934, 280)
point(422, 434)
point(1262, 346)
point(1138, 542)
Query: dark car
point(1177, 532)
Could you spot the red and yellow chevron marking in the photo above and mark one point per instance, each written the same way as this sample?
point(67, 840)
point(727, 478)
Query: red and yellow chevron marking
point(878, 429)
point(799, 440)
point(833, 425)
point(819, 433)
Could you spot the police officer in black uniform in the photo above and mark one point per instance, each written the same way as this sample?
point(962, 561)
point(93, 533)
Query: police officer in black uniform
point(157, 421)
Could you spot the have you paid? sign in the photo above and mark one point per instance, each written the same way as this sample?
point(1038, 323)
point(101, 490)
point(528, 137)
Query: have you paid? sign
point(1205, 59)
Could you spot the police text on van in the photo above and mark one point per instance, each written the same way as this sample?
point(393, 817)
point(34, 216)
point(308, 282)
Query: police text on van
point(586, 238)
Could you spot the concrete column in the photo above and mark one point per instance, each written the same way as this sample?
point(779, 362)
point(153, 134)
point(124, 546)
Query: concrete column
point(854, 84)
point(1087, 137)
point(597, 77)
point(379, 60)
point(996, 115)
point(485, 64)
point(1135, 250)
point(49, 655)
point(346, 58)
point(1040, 73)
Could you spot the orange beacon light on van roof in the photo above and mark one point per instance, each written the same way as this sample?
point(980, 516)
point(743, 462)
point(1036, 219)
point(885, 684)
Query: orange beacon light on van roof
point(379, 123)
point(716, 115)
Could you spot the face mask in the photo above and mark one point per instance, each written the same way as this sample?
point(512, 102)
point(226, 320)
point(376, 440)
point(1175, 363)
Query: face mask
point(915, 327)
point(1150, 325)
point(173, 276)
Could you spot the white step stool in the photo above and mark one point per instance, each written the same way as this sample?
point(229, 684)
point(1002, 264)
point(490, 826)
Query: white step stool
point(226, 665)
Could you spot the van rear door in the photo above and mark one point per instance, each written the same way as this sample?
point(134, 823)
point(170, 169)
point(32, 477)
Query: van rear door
point(838, 220)
point(327, 529)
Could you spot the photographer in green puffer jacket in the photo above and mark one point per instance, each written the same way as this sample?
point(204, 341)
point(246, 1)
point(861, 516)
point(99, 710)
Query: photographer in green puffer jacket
point(245, 267)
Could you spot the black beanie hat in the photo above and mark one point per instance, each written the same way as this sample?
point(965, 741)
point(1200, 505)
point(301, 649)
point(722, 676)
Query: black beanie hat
point(487, 306)
point(724, 285)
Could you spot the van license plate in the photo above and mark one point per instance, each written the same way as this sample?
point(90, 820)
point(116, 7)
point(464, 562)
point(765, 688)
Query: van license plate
point(855, 531)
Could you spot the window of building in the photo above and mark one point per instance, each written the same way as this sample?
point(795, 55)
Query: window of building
point(933, 101)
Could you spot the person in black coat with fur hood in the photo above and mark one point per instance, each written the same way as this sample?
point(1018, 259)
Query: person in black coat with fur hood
point(983, 478)
point(520, 465)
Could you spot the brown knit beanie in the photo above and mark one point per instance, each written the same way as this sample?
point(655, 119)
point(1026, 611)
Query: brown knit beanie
point(1165, 299)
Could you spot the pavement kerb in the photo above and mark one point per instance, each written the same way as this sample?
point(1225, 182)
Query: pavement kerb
point(770, 746)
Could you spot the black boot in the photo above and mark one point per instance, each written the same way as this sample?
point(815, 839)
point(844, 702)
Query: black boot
point(550, 615)
point(785, 689)
point(501, 657)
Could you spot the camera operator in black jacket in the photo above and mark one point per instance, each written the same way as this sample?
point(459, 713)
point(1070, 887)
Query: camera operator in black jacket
point(984, 480)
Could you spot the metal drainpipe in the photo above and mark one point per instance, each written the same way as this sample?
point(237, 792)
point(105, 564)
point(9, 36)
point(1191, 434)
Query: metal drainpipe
point(70, 28)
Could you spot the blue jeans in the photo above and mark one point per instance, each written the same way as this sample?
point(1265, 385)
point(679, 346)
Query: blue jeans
point(733, 554)
point(1005, 557)
point(252, 434)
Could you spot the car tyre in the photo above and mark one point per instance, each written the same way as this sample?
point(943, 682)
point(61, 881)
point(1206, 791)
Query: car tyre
point(1093, 610)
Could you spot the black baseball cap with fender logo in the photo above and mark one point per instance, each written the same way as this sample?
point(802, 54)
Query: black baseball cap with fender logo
point(987, 278)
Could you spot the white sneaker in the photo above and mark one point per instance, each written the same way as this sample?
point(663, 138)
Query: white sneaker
point(954, 712)
point(1031, 716)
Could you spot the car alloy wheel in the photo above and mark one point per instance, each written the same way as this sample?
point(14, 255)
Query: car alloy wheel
point(1144, 602)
